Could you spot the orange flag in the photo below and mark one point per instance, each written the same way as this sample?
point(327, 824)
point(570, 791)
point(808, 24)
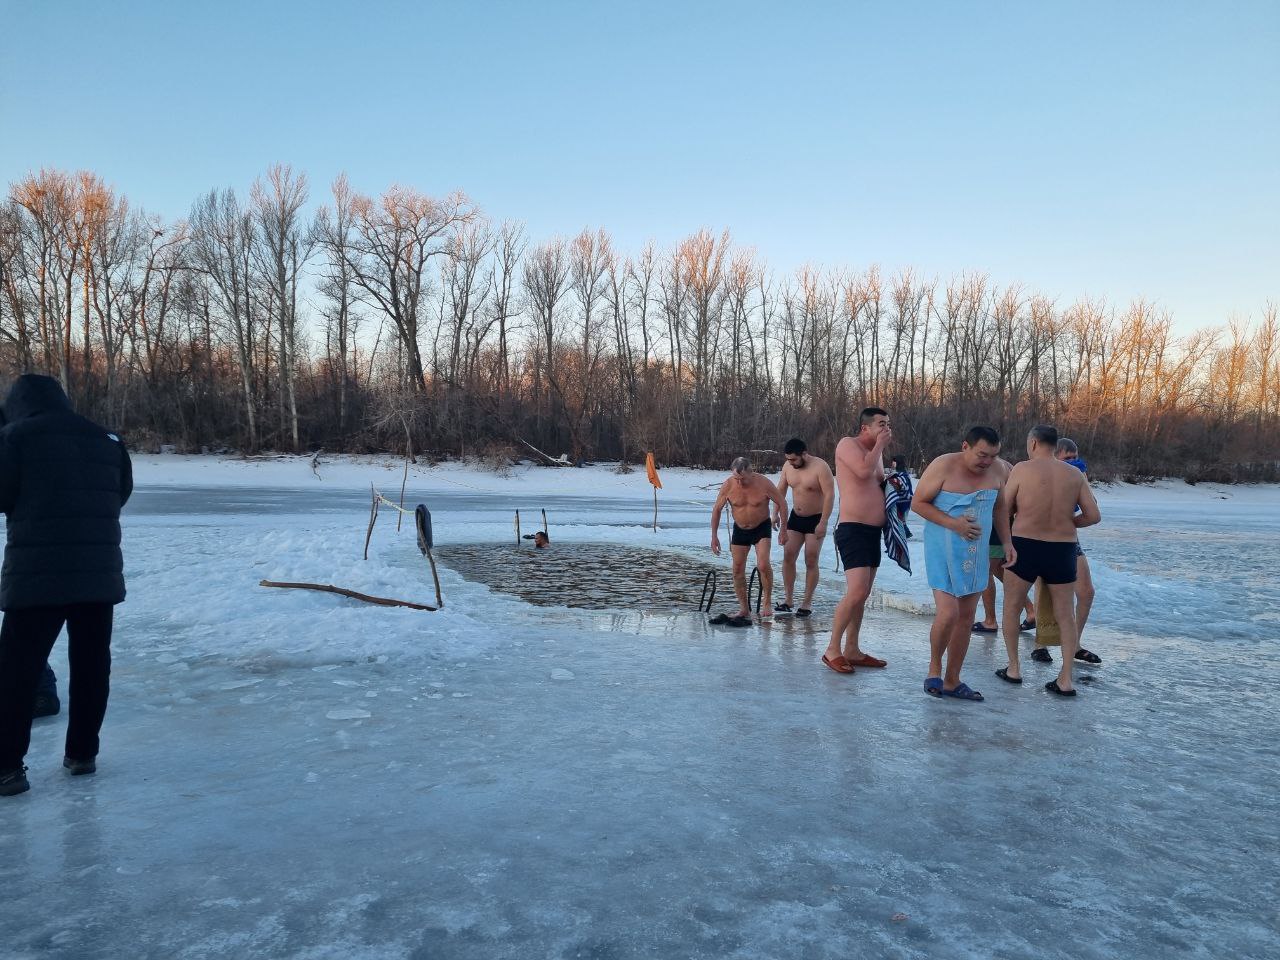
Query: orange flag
point(652, 471)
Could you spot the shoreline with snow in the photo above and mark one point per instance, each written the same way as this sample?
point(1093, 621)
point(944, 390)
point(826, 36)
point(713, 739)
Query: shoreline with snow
point(295, 470)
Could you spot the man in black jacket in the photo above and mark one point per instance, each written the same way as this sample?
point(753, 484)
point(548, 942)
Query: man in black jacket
point(46, 702)
point(63, 480)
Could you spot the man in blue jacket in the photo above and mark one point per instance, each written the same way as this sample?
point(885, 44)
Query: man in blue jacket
point(63, 480)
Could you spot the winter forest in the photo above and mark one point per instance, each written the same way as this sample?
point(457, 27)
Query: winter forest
point(281, 320)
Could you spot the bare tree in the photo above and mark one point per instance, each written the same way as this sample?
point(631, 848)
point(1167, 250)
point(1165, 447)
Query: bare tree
point(222, 250)
point(393, 241)
point(283, 244)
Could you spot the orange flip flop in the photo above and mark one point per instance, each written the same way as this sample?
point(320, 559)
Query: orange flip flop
point(837, 663)
point(866, 660)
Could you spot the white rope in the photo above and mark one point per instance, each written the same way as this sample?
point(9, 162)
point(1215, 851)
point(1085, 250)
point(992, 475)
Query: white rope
point(390, 504)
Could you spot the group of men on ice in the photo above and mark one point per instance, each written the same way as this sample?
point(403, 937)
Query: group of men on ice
point(984, 518)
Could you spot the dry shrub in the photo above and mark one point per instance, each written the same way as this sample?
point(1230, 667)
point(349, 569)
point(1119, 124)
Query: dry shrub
point(497, 458)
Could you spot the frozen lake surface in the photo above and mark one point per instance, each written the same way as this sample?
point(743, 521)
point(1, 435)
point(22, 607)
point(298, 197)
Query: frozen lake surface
point(290, 774)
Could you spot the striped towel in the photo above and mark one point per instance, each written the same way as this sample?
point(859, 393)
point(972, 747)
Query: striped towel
point(895, 529)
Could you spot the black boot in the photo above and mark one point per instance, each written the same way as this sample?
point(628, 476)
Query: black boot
point(14, 782)
point(47, 705)
point(78, 768)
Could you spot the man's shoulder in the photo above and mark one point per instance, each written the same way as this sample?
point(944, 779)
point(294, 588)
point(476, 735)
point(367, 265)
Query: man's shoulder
point(942, 462)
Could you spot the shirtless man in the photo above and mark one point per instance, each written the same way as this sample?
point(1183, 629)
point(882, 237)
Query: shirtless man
point(860, 477)
point(1042, 494)
point(749, 493)
point(813, 494)
point(960, 496)
point(1068, 452)
point(995, 551)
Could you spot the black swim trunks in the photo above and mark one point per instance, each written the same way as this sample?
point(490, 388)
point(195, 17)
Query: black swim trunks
point(799, 524)
point(859, 545)
point(1053, 560)
point(750, 536)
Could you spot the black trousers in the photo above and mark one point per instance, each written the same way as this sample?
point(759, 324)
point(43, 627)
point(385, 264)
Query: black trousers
point(26, 637)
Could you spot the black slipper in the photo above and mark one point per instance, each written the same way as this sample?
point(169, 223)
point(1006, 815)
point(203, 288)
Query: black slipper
point(804, 612)
point(1041, 655)
point(1052, 687)
point(1086, 656)
point(738, 622)
point(1027, 626)
point(718, 619)
point(1003, 674)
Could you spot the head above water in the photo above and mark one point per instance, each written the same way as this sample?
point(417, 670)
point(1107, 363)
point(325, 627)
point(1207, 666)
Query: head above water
point(1066, 449)
point(980, 448)
point(1042, 441)
point(794, 452)
point(541, 540)
point(872, 422)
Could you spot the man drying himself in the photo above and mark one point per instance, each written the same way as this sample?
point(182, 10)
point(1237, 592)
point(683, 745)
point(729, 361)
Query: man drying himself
point(813, 494)
point(1042, 494)
point(749, 493)
point(1069, 453)
point(860, 477)
point(961, 500)
point(995, 552)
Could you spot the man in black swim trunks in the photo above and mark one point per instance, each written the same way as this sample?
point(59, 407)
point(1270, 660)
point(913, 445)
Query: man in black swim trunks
point(1042, 493)
point(749, 493)
point(860, 477)
point(813, 493)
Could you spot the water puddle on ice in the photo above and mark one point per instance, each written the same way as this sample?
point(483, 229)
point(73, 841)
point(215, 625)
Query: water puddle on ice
point(593, 576)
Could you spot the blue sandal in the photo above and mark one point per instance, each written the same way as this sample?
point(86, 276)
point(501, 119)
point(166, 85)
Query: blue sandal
point(933, 686)
point(963, 692)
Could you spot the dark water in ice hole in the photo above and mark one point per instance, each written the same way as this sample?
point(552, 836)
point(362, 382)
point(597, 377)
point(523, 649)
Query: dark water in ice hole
point(594, 576)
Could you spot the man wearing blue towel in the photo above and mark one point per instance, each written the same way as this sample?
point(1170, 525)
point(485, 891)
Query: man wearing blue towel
point(961, 499)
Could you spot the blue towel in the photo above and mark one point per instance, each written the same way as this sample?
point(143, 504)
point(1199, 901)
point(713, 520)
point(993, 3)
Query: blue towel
point(955, 565)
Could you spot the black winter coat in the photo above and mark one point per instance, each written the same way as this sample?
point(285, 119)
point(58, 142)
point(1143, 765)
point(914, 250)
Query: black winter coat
point(63, 480)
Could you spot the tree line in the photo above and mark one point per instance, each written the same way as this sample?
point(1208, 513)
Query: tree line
point(414, 323)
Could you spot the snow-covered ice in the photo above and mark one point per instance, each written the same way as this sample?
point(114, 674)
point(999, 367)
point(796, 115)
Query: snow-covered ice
point(294, 774)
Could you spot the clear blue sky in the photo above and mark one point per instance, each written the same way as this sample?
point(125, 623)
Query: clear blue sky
point(1113, 149)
